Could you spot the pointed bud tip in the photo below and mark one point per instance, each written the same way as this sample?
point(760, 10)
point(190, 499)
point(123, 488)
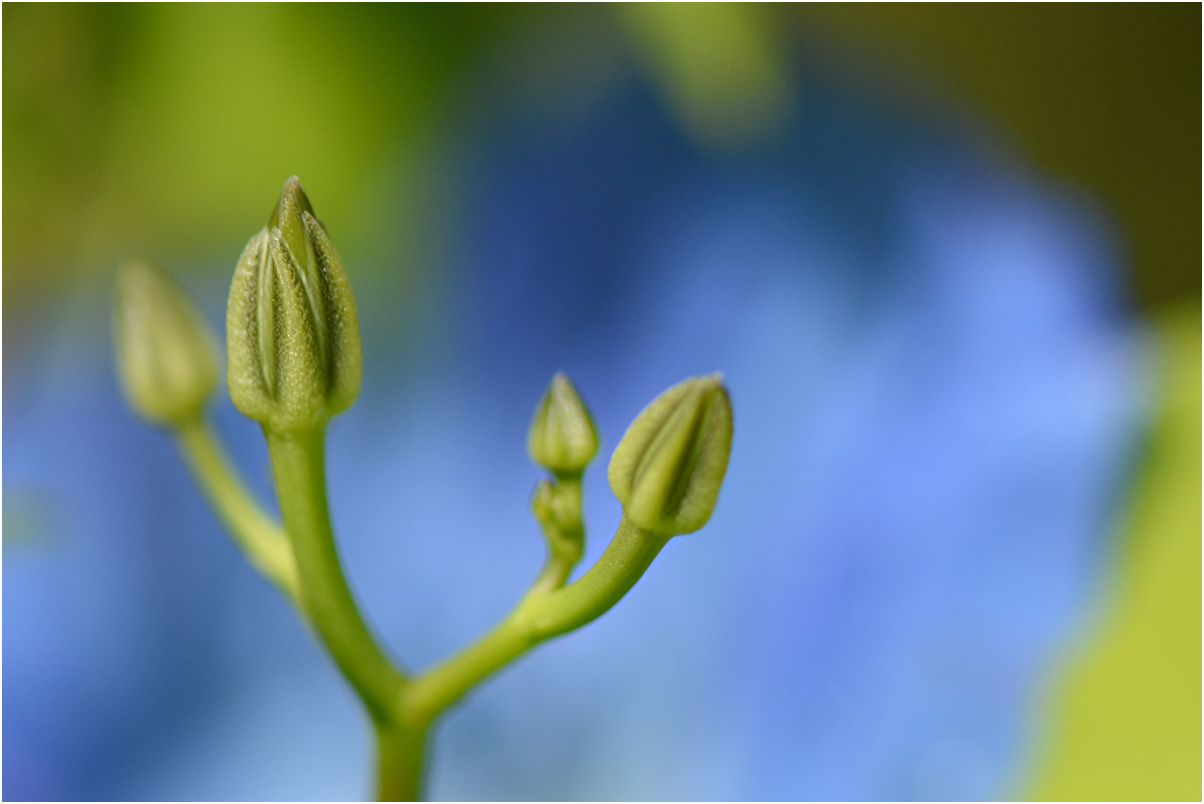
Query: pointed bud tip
point(563, 438)
point(292, 197)
point(669, 466)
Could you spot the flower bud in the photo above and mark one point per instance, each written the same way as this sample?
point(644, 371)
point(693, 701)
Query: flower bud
point(562, 438)
point(543, 501)
point(292, 331)
point(669, 466)
point(166, 351)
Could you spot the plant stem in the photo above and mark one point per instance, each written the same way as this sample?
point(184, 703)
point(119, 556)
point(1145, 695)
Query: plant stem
point(540, 615)
point(298, 462)
point(624, 562)
point(400, 760)
point(431, 693)
point(262, 540)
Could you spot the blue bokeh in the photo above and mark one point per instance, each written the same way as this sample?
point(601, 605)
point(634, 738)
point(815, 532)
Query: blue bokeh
point(936, 393)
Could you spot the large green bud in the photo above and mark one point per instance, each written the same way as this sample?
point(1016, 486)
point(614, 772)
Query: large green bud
point(669, 466)
point(292, 331)
point(166, 352)
point(562, 438)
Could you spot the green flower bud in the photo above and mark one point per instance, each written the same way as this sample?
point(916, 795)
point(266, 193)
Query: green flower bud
point(543, 502)
point(292, 331)
point(557, 506)
point(562, 438)
point(669, 466)
point(166, 351)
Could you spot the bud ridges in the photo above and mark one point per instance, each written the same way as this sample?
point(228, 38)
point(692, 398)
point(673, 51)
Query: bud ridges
point(292, 329)
point(669, 465)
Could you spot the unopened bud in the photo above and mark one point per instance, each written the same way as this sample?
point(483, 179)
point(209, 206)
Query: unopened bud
point(543, 502)
point(166, 352)
point(557, 506)
point(292, 331)
point(562, 438)
point(669, 466)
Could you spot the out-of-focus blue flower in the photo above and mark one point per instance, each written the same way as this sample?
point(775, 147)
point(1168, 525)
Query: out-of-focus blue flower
point(934, 397)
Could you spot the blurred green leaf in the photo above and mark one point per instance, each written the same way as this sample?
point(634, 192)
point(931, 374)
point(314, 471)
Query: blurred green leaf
point(1127, 716)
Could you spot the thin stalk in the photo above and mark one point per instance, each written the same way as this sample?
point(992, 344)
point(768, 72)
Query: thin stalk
point(624, 562)
point(298, 462)
point(539, 616)
point(260, 538)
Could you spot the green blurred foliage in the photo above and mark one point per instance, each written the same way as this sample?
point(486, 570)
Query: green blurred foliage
point(167, 130)
point(1105, 96)
point(1126, 716)
point(161, 130)
point(723, 67)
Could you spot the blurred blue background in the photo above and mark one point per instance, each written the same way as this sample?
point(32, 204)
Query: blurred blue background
point(925, 272)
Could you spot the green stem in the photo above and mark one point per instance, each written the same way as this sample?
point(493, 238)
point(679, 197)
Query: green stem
point(624, 562)
point(298, 461)
point(539, 616)
point(447, 683)
point(261, 539)
point(399, 760)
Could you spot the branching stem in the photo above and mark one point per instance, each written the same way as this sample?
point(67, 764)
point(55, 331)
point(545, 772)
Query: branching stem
point(302, 559)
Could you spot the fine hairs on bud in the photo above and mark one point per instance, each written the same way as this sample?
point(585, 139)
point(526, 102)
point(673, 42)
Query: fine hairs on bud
point(166, 352)
point(292, 330)
point(562, 438)
point(669, 465)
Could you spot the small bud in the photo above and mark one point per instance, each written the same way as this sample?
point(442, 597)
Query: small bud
point(542, 503)
point(669, 466)
point(166, 351)
point(292, 331)
point(562, 438)
point(557, 506)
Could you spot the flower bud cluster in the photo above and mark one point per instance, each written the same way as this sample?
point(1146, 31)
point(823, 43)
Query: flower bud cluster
point(294, 361)
point(292, 330)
